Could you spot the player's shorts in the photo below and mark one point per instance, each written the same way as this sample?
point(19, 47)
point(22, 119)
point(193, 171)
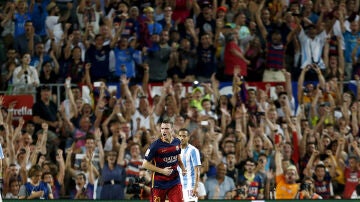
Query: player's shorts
point(174, 194)
point(188, 196)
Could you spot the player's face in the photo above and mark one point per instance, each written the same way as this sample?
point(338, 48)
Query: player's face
point(184, 137)
point(166, 131)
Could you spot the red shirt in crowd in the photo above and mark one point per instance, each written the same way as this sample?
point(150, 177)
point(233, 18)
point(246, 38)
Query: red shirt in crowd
point(351, 181)
point(233, 61)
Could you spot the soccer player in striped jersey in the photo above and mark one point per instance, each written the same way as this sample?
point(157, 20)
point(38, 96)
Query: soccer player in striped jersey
point(190, 156)
point(163, 158)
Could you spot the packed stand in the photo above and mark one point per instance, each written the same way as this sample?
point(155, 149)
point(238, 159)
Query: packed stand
point(277, 142)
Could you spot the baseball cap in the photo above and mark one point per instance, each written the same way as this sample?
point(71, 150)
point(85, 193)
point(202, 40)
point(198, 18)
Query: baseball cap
point(222, 8)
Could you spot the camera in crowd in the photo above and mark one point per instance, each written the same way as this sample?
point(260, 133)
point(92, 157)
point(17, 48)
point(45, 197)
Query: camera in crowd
point(241, 191)
point(134, 187)
point(305, 187)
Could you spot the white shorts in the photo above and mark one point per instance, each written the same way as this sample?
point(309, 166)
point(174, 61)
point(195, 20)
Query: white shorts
point(188, 196)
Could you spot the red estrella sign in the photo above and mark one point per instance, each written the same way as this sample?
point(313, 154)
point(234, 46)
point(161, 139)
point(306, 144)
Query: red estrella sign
point(23, 106)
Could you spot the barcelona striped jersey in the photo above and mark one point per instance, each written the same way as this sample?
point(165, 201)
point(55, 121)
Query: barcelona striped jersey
point(162, 155)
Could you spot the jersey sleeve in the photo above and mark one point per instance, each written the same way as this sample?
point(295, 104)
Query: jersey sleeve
point(150, 152)
point(195, 157)
point(179, 144)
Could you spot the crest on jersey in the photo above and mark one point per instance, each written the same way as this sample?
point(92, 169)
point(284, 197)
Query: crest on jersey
point(177, 148)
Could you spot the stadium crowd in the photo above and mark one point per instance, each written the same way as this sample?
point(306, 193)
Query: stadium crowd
point(298, 144)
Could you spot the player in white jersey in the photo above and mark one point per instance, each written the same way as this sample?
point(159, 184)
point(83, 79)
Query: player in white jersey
point(190, 157)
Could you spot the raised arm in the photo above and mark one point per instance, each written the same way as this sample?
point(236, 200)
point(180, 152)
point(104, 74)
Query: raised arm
point(288, 85)
point(301, 84)
point(18, 129)
point(23, 163)
point(68, 166)
point(145, 80)
point(124, 82)
point(314, 103)
point(259, 21)
point(278, 160)
point(249, 147)
point(61, 163)
point(99, 109)
point(91, 170)
point(341, 58)
point(326, 52)
point(74, 110)
point(105, 124)
point(99, 145)
point(309, 165)
point(81, 6)
point(321, 78)
point(339, 151)
point(65, 17)
point(10, 7)
point(118, 31)
point(196, 8)
point(356, 148)
point(10, 139)
point(354, 119)
point(55, 61)
point(121, 155)
point(159, 107)
point(333, 164)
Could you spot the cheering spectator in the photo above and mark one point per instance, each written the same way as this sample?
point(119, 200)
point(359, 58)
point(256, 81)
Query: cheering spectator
point(234, 58)
point(21, 17)
point(8, 68)
point(216, 187)
point(157, 57)
point(54, 20)
point(89, 13)
point(13, 192)
point(286, 185)
point(25, 42)
point(36, 188)
point(45, 110)
point(25, 77)
point(113, 173)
